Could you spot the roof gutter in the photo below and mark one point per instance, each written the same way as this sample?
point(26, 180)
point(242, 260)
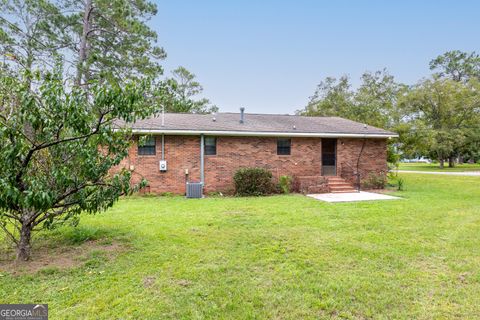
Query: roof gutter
point(264, 133)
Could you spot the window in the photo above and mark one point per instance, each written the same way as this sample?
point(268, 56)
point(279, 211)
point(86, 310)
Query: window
point(146, 146)
point(284, 146)
point(210, 146)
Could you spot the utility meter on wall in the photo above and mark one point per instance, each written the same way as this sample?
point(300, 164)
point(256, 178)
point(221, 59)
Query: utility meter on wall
point(163, 165)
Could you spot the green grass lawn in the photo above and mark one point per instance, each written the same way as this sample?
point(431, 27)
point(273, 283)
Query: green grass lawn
point(435, 167)
point(281, 257)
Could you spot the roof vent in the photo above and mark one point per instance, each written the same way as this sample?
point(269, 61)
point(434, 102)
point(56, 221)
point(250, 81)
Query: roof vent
point(365, 126)
point(242, 115)
point(294, 127)
point(214, 118)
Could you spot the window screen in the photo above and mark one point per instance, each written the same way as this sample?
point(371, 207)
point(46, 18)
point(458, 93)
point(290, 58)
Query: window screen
point(146, 146)
point(283, 146)
point(210, 146)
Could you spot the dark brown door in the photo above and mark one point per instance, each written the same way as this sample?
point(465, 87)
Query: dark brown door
point(329, 157)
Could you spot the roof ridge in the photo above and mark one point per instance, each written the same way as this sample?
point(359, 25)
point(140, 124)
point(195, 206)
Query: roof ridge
point(279, 114)
point(254, 113)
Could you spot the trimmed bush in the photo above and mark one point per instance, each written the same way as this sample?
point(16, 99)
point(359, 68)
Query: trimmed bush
point(375, 181)
point(253, 182)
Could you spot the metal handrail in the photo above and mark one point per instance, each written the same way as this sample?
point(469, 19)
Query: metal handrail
point(355, 174)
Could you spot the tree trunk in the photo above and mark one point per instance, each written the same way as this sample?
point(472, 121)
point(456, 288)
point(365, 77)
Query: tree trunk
point(81, 68)
point(442, 163)
point(451, 162)
point(23, 245)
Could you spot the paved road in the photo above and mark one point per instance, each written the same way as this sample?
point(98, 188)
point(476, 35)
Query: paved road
point(464, 173)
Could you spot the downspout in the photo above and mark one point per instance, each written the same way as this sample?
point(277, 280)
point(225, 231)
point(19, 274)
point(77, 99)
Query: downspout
point(202, 159)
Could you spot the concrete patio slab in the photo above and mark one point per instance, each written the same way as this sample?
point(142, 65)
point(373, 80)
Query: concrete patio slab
point(351, 197)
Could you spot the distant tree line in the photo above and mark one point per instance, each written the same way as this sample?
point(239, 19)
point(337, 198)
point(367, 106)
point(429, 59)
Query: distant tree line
point(437, 117)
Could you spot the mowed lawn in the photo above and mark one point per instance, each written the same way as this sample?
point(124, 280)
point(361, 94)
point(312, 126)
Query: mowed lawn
point(435, 167)
point(281, 257)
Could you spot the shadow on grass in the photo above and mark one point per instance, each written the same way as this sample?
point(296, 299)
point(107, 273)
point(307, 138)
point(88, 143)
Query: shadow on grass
point(65, 248)
point(71, 236)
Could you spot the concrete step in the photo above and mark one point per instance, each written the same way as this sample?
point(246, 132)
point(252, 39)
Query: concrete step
point(342, 189)
point(317, 189)
point(343, 185)
point(311, 180)
point(335, 178)
point(338, 183)
point(322, 184)
point(333, 188)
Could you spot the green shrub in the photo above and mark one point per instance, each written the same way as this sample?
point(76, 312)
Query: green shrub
point(285, 184)
point(253, 182)
point(392, 175)
point(400, 184)
point(375, 181)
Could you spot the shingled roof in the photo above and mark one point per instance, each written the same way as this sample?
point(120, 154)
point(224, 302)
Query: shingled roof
point(256, 125)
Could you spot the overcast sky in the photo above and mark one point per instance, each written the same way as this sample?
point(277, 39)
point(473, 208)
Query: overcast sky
point(269, 55)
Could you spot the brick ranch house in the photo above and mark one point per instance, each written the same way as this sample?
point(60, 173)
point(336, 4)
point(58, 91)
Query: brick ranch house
point(322, 154)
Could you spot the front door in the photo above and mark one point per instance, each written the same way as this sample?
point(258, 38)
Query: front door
point(329, 157)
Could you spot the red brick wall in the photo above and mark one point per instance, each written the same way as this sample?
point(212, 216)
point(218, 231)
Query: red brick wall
point(183, 152)
point(240, 152)
point(373, 158)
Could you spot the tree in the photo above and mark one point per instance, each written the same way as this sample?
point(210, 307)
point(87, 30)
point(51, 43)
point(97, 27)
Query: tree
point(447, 110)
point(457, 65)
point(57, 134)
point(183, 88)
point(97, 39)
point(373, 103)
point(331, 98)
point(94, 40)
point(376, 100)
point(471, 148)
point(33, 34)
point(114, 39)
point(439, 116)
point(58, 146)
